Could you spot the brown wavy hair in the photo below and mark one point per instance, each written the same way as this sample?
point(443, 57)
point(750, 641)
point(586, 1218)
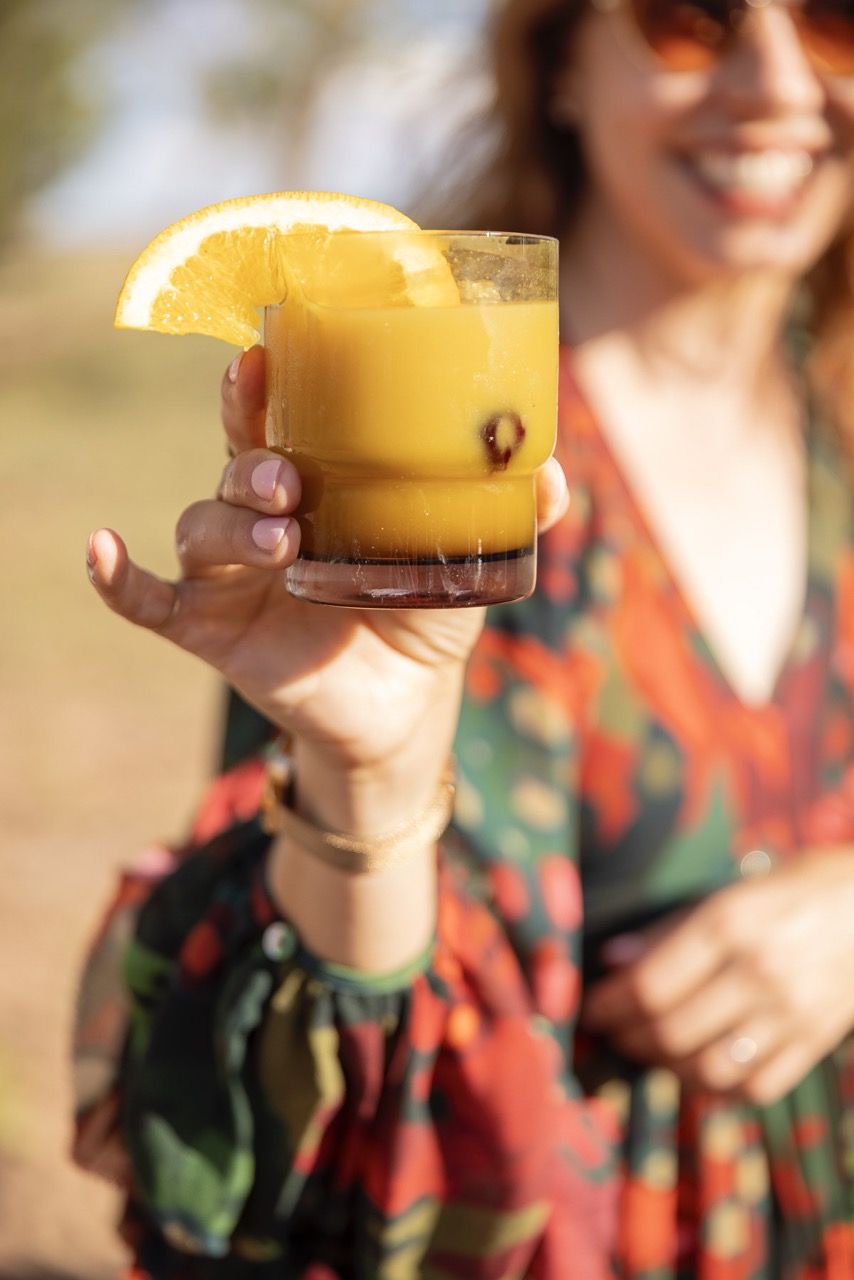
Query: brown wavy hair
point(532, 177)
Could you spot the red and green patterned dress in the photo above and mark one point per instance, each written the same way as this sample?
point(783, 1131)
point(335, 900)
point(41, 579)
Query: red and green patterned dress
point(286, 1118)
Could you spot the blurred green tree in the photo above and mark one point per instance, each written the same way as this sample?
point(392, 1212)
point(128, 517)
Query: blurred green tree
point(49, 108)
point(296, 41)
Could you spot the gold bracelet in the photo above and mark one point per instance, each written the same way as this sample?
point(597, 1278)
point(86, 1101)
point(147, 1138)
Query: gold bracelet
point(337, 848)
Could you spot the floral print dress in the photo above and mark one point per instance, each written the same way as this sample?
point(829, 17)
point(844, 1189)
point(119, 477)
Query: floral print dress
point(286, 1118)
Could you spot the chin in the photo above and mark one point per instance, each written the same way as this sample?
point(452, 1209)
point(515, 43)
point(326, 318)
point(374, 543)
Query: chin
point(760, 248)
point(770, 250)
point(788, 241)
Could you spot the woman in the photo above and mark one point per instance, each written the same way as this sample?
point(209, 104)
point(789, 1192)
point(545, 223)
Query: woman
point(620, 1045)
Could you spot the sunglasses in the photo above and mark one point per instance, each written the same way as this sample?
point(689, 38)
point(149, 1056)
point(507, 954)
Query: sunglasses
point(692, 35)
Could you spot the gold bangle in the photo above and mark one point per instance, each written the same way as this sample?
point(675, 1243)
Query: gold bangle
point(344, 852)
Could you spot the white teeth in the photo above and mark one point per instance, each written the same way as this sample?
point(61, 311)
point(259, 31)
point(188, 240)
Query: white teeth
point(768, 174)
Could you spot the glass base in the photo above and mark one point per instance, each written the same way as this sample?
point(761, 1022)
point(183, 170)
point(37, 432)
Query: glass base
point(416, 584)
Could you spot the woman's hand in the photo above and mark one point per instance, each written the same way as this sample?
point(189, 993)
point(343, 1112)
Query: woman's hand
point(367, 691)
point(744, 992)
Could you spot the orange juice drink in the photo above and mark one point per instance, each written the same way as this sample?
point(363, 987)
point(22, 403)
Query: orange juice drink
point(417, 402)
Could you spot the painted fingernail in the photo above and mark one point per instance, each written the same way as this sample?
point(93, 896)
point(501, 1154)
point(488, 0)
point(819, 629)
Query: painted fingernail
point(267, 534)
point(234, 367)
point(265, 477)
point(624, 948)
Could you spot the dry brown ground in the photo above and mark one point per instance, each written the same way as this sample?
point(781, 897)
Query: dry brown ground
point(106, 733)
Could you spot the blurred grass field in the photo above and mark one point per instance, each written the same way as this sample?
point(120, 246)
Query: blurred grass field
point(107, 733)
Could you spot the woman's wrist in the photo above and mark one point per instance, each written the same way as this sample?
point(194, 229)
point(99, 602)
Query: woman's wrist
point(364, 802)
point(375, 795)
point(365, 854)
point(379, 922)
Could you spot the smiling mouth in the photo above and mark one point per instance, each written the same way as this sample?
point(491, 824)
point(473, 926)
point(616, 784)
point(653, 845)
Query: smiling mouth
point(769, 177)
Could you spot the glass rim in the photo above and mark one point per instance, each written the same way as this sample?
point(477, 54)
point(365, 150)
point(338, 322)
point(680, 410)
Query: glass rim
point(511, 237)
point(418, 252)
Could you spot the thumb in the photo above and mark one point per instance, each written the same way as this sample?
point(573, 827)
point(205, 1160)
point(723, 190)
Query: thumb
point(552, 494)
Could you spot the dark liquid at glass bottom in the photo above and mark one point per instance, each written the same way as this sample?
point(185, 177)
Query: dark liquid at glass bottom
point(453, 583)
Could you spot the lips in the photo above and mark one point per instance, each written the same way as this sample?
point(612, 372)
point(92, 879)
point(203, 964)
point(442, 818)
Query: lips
point(771, 177)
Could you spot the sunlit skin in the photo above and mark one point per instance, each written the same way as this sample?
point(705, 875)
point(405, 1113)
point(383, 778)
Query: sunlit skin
point(674, 291)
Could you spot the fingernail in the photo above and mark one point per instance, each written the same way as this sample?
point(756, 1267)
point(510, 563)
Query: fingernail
point(234, 367)
point(267, 534)
point(265, 477)
point(558, 485)
point(91, 557)
point(624, 948)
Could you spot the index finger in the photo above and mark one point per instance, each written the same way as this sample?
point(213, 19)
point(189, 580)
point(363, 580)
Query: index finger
point(243, 400)
point(658, 969)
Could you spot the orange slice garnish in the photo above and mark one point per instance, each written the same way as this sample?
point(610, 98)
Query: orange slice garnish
point(212, 271)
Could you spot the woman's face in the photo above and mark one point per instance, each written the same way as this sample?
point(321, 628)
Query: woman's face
point(748, 164)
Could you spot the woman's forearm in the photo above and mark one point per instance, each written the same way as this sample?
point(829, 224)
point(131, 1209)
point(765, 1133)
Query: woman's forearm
point(375, 923)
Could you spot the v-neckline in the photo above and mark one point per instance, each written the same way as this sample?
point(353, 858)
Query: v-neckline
point(682, 601)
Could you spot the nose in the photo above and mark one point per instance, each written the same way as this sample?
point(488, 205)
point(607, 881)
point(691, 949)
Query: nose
point(768, 70)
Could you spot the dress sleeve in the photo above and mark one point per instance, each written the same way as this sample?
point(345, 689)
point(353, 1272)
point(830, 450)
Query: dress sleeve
point(277, 1108)
point(102, 1013)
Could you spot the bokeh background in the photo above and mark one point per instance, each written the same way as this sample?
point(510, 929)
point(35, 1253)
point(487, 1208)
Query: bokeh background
point(117, 117)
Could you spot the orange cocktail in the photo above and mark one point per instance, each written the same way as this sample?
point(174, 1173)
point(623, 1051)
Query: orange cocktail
point(413, 380)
